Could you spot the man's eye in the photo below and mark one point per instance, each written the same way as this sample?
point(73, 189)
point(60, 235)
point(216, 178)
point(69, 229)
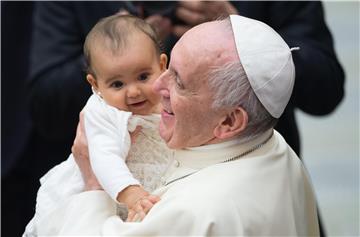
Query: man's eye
point(143, 77)
point(176, 78)
point(178, 83)
point(117, 84)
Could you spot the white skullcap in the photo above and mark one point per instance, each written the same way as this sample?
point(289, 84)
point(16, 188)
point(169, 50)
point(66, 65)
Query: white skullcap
point(267, 62)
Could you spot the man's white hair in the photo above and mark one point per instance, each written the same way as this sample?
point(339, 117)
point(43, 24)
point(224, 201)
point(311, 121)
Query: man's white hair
point(231, 88)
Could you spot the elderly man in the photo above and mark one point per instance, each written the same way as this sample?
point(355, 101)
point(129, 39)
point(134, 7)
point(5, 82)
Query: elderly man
point(228, 81)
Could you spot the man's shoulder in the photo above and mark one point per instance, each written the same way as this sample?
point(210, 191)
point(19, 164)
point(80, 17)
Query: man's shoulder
point(243, 182)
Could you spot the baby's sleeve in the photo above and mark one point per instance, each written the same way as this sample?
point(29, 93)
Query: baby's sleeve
point(109, 142)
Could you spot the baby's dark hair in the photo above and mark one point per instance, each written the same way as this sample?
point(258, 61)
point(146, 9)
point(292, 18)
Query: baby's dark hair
point(115, 32)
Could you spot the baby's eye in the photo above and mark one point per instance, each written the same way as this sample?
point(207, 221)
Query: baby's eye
point(117, 84)
point(143, 76)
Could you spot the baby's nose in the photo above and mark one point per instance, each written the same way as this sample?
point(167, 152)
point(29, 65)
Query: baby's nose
point(133, 91)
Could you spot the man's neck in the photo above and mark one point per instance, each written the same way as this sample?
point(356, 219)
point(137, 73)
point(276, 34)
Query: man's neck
point(219, 145)
point(216, 143)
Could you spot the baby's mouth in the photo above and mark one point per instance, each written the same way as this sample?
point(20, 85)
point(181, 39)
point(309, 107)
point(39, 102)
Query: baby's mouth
point(138, 104)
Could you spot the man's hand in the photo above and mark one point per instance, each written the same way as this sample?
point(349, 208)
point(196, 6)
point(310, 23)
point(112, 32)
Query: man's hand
point(162, 25)
point(193, 13)
point(81, 155)
point(135, 134)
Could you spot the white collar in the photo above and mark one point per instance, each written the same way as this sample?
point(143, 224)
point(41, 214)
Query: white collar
point(210, 147)
point(200, 157)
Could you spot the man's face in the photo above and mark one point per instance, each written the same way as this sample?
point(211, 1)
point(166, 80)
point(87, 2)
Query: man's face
point(187, 119)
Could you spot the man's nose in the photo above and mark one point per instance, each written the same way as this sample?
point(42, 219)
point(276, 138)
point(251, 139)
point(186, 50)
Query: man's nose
point(160, 86)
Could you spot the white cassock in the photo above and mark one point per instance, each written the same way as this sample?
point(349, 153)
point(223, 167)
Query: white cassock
point(266, 192)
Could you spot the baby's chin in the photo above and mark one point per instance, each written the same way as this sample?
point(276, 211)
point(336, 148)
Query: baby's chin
point(148, 111)
point(144, 108)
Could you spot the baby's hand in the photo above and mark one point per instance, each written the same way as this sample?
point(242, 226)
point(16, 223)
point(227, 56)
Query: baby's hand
point(138, 201)
point(141, 207)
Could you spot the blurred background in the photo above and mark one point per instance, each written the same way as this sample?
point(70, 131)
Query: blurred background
point(330, 144)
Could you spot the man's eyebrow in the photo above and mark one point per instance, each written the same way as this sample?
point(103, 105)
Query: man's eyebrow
point(172, 70)
point(176, 75)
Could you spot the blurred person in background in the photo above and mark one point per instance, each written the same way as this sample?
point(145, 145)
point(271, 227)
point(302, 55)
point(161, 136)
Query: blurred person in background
point(59, 91)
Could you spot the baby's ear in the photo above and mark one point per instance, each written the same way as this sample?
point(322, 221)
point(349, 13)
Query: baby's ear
point(163, 62)
point(91, 79)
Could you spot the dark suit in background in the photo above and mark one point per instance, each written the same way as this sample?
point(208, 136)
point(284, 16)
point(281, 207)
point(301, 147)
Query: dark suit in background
point(27, 151)
point(59, 90)
point(15, 120)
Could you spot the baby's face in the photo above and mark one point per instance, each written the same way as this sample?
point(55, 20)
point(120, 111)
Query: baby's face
point(125, 80)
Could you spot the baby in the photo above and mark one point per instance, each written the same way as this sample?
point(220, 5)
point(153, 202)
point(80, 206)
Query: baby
point(123, 60)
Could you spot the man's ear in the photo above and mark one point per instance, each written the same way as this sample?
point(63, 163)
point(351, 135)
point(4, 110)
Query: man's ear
point(91, 79)
point(232, 124)
point(163, 62)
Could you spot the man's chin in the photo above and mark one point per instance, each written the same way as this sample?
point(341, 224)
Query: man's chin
point(165, 133)
point(167, 136)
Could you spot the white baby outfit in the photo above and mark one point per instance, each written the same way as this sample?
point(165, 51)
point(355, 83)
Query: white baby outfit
point(107, 131)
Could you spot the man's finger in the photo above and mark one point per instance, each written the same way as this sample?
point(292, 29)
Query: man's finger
point(161, 24)
point(191, 18)
point(123, 12)
point(180, 30)
point(135, 134)
point(192, 5)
